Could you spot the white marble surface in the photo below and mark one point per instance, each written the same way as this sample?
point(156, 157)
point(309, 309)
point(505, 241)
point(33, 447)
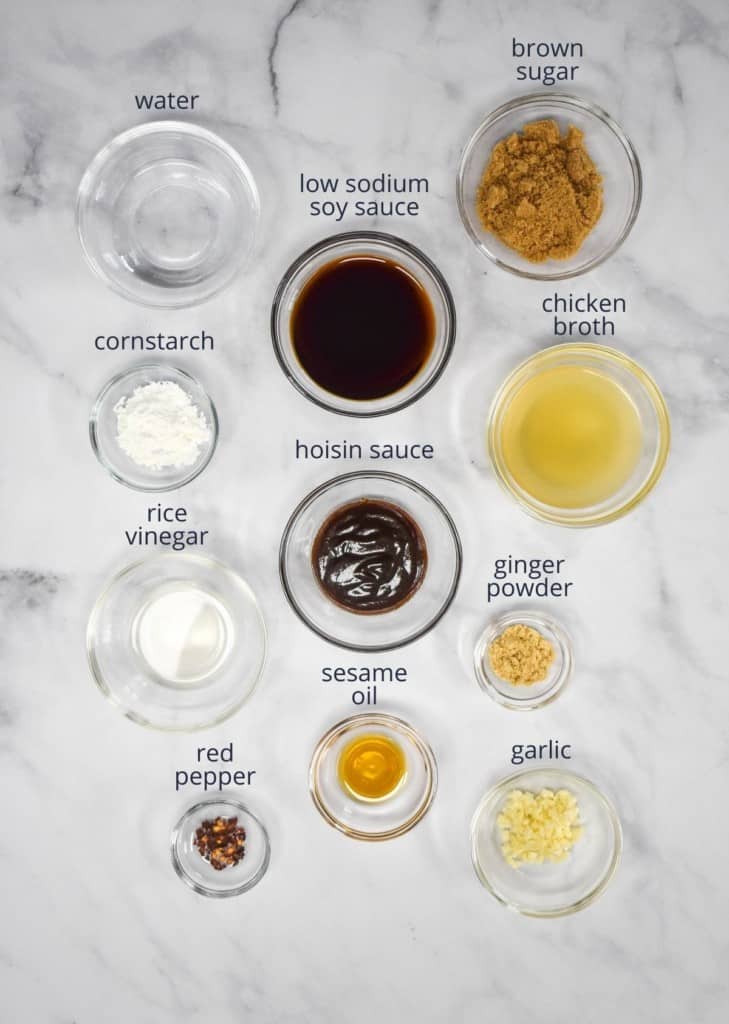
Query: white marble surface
point(96, 927)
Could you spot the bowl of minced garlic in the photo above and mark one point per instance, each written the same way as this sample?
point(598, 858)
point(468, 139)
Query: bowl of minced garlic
point(545, 841)
point(538, 827)
point(549, 186)
point(523, 659)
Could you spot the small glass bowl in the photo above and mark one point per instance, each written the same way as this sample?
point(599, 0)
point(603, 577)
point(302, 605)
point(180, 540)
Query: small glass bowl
point(129, 663)
point(649, 404)
point(548, 890)
point(536, 695)
point(386, 630)
point(167, 213)
point(363, 243)
point(196, 872)
point(381, 819)
point(614, 158)
point(103, 429)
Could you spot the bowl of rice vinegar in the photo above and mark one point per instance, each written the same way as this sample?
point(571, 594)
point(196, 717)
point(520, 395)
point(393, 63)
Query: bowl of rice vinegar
point(579, 434)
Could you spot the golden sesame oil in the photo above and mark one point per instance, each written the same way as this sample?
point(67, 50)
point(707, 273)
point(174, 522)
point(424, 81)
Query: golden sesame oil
point(371, 767)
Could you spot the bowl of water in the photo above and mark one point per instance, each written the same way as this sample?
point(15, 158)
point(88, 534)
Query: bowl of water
point(167, 214)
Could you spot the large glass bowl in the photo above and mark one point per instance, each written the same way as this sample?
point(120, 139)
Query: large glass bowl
point(167, 213)
point(386, 630)
point(374, 244)
point(126, 644)
point(612, 153)
point(548, 890)
point(385, 818)
point(649, 404)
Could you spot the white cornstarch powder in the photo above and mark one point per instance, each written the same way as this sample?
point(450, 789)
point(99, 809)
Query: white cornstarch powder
point(160, 427)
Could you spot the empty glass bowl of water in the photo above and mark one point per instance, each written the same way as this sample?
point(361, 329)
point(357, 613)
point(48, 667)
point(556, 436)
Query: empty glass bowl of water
point(167, 213)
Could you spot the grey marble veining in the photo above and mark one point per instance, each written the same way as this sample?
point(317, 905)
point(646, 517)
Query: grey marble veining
point(96, 927)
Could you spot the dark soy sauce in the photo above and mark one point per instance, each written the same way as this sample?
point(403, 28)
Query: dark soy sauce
point(363, 327)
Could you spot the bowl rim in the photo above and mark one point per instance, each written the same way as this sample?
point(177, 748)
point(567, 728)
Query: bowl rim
point(106, 152)
point(397, 243)
point(399, 479)
point(602, 884)
point(493, 628)
point(397, 725)
point(167, 368)
point(98, 676)
point(565, 100)
point(552, 514)
point(198, 887)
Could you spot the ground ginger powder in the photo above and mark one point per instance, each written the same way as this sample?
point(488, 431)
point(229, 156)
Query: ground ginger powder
point(521, 655)
point(541, 194)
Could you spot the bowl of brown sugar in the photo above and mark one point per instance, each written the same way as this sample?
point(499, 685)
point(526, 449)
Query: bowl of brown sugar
point(549, 186)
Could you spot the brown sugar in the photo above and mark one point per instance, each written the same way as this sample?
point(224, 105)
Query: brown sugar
point(541, 194)
point(521, 655)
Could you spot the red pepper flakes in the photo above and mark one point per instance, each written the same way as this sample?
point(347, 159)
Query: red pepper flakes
point(221, 842)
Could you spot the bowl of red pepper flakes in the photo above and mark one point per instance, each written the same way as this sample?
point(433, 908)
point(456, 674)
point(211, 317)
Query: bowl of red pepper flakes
point(221, 842)
point(220, 848)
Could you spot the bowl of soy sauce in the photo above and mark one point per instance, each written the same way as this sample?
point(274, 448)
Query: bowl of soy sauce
point(363, 323)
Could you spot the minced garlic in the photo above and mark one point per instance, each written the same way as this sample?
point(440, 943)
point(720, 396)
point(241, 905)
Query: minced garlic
point(538, 827)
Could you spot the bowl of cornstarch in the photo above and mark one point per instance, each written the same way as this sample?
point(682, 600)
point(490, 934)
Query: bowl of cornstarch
point(153, 428)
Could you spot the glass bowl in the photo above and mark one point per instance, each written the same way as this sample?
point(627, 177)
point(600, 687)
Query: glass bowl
point(614, 158)
point(535, 695)
point(167, 213)
point(548, 890)
point(196, 872)
point(144, 616)
point(385, 818)
point(363, 243)
point(647, 400)
point(103, 429)
point(389, 629)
